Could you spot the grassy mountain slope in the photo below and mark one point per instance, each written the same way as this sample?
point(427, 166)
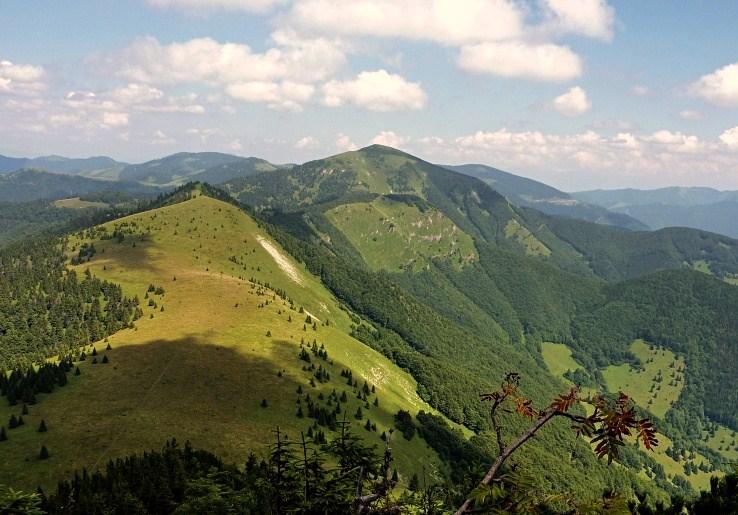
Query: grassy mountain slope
point(537, 195)
point(361, 176)
point(26, 185)
point(207, 352)
point(393, 235)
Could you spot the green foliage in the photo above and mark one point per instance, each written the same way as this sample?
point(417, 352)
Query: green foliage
point(47, 310)
point(14, 502)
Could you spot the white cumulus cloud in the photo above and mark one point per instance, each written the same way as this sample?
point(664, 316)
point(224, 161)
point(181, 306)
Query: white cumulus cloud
point(389, 139)
point(377, 91)
point(572, 103)
point(205, 60)
point(720, 87)
point(545, 62)
point(22, 79)
point(730, 137)
point(285, 95)
point(306, 142)
point(114, 119)
point(444, 21)
point(592, 18)
point(344, 143)
point(281, 76)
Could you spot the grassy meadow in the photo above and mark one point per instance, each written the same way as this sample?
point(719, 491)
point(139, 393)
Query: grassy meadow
point(656, 385)
point(393, 235)
point(207, 352)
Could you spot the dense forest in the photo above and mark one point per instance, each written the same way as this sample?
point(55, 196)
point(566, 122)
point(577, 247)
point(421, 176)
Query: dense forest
point(301, 475)
point(47, 310)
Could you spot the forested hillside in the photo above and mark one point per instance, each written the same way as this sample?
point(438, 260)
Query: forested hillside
point(532, 279)
point(529, 193)
point(380, 288)
point(46, 310)
point(26, 185)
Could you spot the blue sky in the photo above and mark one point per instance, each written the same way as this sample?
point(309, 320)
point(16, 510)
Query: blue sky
point(577, 93)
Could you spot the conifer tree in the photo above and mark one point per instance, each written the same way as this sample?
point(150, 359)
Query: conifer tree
point(3, 435)
point(264, 403)
point(24, 411)
point(42, 427)
point(105, 359)
point(414, 483)
point(77, 371)
point(44, 454)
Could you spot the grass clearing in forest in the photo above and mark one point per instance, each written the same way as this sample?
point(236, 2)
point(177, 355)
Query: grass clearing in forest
point(77, 203)
point(558, 359)
point(393, 235)
point(655, 386)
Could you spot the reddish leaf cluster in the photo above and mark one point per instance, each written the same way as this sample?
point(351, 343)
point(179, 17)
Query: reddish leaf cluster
point(611, 422)
point(607, 427)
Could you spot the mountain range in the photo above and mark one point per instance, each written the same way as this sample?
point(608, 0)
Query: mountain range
point(371, 287)
point(637, 210)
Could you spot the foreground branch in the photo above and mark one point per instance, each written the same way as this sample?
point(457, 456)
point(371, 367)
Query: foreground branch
point(492, 472)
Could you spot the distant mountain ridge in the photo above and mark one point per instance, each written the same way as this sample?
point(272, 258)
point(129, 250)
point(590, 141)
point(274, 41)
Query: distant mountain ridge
point(172, 170)
point(707, 209)
point(102, 167)
point(671, 196)
point(29, 184)
point(525, 192)
point(175, 168)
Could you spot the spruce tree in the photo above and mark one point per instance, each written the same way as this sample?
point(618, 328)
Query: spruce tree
point(44, 454)
point(3, 436)
point(264, 403)
point(414, 483)
point(105, 359)
point(24, 411)
point(77, 372)
point(42, 427)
